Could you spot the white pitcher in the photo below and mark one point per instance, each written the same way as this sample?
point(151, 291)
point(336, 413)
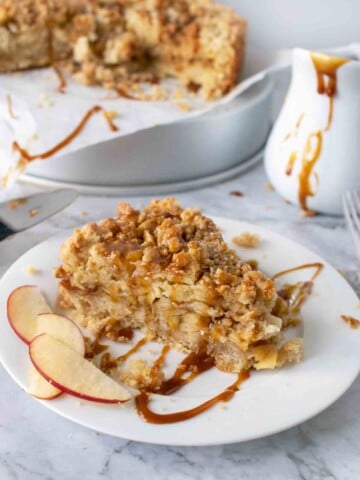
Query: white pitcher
point(313, 152)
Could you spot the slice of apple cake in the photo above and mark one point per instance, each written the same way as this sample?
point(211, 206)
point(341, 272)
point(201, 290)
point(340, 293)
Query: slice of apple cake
point(168, 271)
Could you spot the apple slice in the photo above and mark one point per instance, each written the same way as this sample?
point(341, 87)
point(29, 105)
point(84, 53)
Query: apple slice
point(41, 388)
point(67, 370)
point(23, 306)
point(63, 329)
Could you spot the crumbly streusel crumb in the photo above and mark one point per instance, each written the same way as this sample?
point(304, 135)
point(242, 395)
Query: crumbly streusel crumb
point(247, 240)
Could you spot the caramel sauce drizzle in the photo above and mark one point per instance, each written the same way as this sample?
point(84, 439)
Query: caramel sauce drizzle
point(25, 155)
point(112, 126)
point(10, 107)
point(326, 72)
point(298, 293)
point(194, 364)
point(311, 154)
point(122, 92)
point(142, 404)
point(62, 80)
point(95, 347)
point(351, 321)
point(317, 265)
point(291, 163)
point(132, 350)
point(159, 362)
point(126, 332)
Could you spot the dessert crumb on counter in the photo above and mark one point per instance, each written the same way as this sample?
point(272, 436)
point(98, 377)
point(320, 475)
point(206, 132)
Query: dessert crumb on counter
point(247, 240)
point(351, 321)
point(84, 213)
point(236, 193)
point(269, 186)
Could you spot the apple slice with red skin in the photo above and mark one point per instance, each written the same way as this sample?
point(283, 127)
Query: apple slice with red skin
point(41, 388)
point(24, 304)
point(63, 329)
point(67, 370)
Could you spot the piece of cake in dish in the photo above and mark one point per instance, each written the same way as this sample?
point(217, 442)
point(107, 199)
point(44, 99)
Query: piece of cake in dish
point(116, 43)
point(24, 34)
point(168, 271)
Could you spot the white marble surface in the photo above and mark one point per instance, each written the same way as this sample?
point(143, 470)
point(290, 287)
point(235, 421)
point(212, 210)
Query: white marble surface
point(37, 444)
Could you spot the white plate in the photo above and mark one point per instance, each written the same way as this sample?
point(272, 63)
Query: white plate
point(267, 403)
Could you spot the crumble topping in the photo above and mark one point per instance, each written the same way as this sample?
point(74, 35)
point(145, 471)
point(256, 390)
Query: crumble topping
point(247, 240)
point(167, 271)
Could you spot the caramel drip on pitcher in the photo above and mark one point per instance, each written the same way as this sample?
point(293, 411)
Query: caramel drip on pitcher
point(326, 73)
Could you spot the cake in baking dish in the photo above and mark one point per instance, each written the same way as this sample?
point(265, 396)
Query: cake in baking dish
point(168, 271)
point(115, 43)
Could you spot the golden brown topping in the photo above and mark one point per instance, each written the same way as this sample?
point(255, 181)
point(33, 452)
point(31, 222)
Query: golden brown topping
point(247, 240)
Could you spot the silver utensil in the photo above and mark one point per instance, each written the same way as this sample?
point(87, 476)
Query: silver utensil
point(22, 213)
point(351, 205)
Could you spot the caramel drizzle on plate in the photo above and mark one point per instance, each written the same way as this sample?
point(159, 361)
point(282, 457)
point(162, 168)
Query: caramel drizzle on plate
point(296, 294)
point(25, 155)
point(326, 72)
point(142, 404)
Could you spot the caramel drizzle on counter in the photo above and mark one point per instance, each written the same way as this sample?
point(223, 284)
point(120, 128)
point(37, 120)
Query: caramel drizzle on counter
point(25, 155)
point(326, 72)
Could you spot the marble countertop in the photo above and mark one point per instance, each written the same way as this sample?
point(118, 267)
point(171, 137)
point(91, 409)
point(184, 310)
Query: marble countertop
point(36, 444)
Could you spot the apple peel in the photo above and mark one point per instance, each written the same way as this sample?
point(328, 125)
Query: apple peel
point(67, 370)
